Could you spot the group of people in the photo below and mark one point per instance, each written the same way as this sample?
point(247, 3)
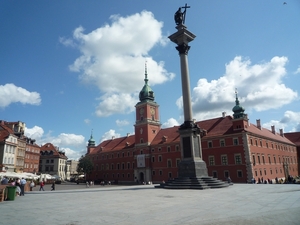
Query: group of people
point(42, 184)
point(261, 180)
point(17, 182)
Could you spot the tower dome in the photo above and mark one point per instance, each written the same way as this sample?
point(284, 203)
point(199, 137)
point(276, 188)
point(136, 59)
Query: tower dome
point(146, 94)
point(91, 141)
point(238, 110)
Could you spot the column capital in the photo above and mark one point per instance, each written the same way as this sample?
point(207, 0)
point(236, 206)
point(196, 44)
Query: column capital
point(183, 49)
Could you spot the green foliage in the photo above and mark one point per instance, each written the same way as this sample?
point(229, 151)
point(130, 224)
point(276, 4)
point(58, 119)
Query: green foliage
point(85, 165)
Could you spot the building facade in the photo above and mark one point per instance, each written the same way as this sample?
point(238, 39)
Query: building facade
point(32, 156)
point(52, 161)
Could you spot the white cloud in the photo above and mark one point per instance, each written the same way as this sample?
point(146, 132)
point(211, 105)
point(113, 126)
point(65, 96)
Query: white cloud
point(35, 133)
point(9, 93)
point(115, 103)
point(87, 121)
point(65, 142)
point(259, 86)
point(68, 140)
point(297, 71)
point(170, 123)
point(113, 58)
point(109, 134)
point(290, 122)
point(122, 123)
point(72, 154)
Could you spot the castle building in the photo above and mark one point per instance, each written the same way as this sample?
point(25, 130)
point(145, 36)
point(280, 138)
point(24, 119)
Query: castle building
point(231, 147)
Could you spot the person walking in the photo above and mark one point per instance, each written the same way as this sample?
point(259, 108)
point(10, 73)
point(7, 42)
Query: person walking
point(42, 184)
point(32, 184)
point(53, 186)
point(22, 186)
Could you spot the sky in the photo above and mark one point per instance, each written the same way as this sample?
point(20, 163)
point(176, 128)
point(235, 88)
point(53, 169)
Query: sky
point(72, 68)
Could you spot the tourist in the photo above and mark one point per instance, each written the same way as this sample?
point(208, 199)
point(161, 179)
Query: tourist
point(4, 181)
point(53, 186)
point(87, 184)
point(42, 184)
point(32, 184)
point(22, 186)
point(18, 185)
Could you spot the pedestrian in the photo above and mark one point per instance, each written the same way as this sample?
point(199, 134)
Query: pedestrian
point(18, 185)
point(42, 184)
point(53, 186)
point(22, 186)
point(32, 184)
point(4, 181)
point(87, 184)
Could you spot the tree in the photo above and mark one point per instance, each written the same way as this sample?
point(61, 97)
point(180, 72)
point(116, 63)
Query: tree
point(85, 165)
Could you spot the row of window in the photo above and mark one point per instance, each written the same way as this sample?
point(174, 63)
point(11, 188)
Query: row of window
point(277, 146)
point(35, 166)
point(119, 155)
point(224, 160)
point(222, 143)
point(281, 159)
point(264, 171)
point(8, 160)
point(10, 149)
point(118, 166)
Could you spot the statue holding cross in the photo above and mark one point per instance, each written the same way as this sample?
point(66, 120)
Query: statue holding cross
point(179, 16)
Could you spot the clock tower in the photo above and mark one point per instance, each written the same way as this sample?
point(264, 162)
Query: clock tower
point(147, 122)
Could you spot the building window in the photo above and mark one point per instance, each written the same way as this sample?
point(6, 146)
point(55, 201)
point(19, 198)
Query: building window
point(267, 144)
point(260, 142)
point(169, 163)
point(235, 141)
point(263, 159)
point(253, 160)
point(160, 172)
point(269, 157)
point(153, 158)
point(128, 165)
point(141, 152)
point(265, 171)
point(238, 159)
point(251, 142)
point(256, 173)
point(170, 175)
point(159, 149)
point(222, 143)
point(210, 144)
point(152, 150)
point(123, 166)
point(177, 148)
point(112, 166)
point(169, 149)
point(274, 159)
point(239, 174)
point(118, 166)
point(258, 159)
point(153, 172)
point(211, 160)
point(52, 161)
point(47, 161)
point(224, 159)
point(159, 158)
point(141, 140)
point(177, 162)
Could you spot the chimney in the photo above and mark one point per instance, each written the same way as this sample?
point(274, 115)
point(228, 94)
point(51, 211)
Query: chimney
point(258, 124)
point(273, 129)
point(113, 137)
point(281, 132)
point(128, 134)
point(223, 114)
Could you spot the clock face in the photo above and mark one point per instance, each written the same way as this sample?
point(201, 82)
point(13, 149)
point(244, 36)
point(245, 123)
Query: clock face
point(152, 111)
point(142, 111)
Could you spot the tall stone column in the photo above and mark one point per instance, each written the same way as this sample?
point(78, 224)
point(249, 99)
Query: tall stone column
point(191, 164)
point(192, 170)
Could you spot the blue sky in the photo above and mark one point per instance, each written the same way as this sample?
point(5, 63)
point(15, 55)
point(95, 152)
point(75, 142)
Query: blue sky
point(70, 67)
